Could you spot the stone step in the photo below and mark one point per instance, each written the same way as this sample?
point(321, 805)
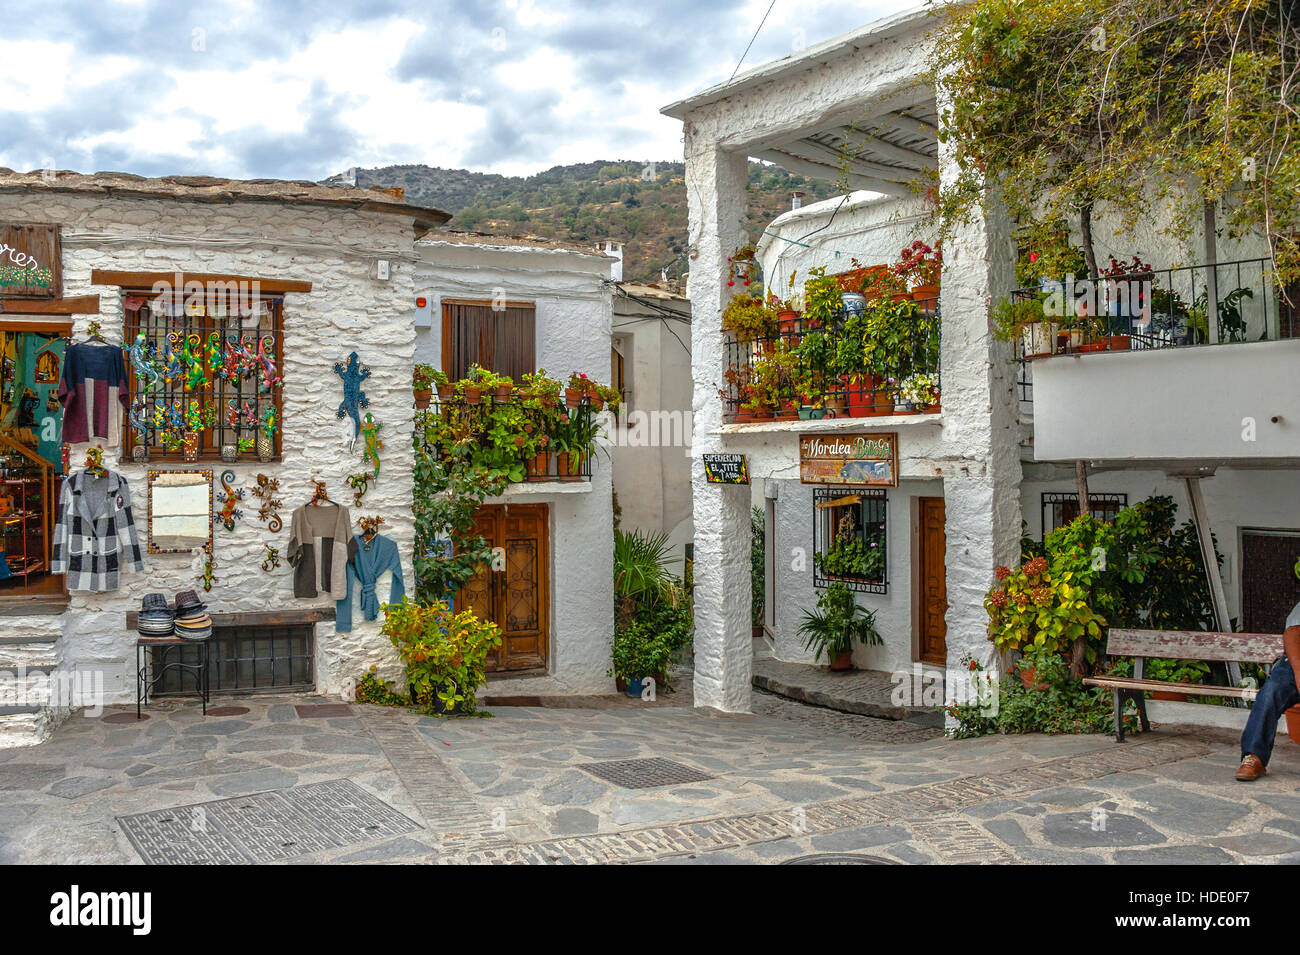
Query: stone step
point(29, 640)
point(30, 688)
point(23, 726)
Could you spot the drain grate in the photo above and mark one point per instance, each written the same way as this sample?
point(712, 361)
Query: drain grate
point(644, 773)
point(265, 827)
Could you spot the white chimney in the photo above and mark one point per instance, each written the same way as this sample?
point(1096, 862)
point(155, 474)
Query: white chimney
point(796, 200)
point(614, 249)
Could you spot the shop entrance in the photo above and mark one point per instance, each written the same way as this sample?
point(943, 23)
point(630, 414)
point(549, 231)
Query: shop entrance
point(1269, 588)
point(513, 592)
point(932, 549)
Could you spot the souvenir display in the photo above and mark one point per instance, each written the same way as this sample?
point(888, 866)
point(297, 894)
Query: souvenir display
point(156, 618)
point(320, 545)
point(229, 497)
point(191, 617)
point(272, 558)
point(371, 556)
point(374, 445)
point(353, 374)
point(360, 483)
point(265, 491)
point(95, 536)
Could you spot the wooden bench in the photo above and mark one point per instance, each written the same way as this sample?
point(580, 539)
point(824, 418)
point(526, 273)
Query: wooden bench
point(1180, 645)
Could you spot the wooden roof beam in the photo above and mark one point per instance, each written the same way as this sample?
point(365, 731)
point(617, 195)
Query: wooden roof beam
point(830, 173)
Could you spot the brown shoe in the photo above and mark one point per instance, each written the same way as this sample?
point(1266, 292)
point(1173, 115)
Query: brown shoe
point(1250, 770)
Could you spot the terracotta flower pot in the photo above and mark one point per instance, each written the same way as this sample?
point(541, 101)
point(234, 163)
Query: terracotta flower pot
point(540, 464)
point(1028, 677)
point(1293, 723)
point(446, 391)
point(925, 293)
point(473, 394)
point(568, 465)
point(842, 661)
point(572, 397)
point(788, 321)
point(743, 416)
point(502, 392)
point(836, 405)
point(422, 398)
point(596, 401)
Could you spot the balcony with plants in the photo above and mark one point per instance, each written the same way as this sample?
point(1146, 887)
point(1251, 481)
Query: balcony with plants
point(535, 430)
point(862, 343)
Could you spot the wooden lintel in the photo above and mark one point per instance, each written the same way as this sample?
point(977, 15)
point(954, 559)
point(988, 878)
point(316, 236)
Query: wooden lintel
point(147, 280)
point(79, 305)
point(285, 618)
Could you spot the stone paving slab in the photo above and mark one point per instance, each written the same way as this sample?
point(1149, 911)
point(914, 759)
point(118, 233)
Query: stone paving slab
point(508, 788)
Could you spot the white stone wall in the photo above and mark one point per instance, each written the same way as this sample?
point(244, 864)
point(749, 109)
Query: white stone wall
point(346, 310)
point(573, 334)
point(652, 464)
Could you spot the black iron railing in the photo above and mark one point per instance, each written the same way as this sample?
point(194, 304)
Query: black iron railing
point(1226, 303)
point(853, 366)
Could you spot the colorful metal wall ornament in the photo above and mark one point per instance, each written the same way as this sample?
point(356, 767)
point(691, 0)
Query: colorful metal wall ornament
point(373, 443)
point(370, 526)
point(354, 375)
point(272, 558)
point(266, 355)
point(229, 498)
point(319, 495)
point(196, 376)
point(173, 366)
point(145, 364)
point(266, 491)
point(95, 461)
point(209, 572)
point(360, 483)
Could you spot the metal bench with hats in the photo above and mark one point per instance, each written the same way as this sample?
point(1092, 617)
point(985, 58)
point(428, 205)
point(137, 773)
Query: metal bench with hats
point(162, 629)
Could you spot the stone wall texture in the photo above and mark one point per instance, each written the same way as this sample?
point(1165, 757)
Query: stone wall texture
point(346, 310)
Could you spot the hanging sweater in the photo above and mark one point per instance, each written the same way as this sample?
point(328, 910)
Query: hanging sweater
point(91, 388)
point(320, 546)
point(94, 536)
point(371, 560)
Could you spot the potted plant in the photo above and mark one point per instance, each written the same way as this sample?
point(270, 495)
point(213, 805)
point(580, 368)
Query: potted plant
point(787, 309)
point(470, 388)
point(821, 299)
point(1024, 320)
point(1128, 291)
point(748, 317)
point(744, 267)
point(422, 384)
point(918, 267)
point(921, 391)
point(1174, 671)
point(836, 625)
point(444, 653)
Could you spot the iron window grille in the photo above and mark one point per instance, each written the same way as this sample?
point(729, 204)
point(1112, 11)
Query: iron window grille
point(237, 405)
point(1061, 507)
point(246, 659)
point(850, 537)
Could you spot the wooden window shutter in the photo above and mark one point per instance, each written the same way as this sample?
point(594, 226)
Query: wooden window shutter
point(503, 342)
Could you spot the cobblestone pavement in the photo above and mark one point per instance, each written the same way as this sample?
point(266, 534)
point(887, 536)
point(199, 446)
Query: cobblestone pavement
point(779, 785)
point(865, 692)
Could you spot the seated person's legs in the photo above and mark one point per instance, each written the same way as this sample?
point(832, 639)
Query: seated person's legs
point(1278, 694)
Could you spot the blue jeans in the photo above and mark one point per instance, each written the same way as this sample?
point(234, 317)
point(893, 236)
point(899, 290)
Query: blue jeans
point(1276, 696)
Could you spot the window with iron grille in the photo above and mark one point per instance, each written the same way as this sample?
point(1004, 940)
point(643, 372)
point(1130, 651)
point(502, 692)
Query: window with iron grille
point(210, 366)
point(1061, 507)
point(243, 659)
point(849, 538)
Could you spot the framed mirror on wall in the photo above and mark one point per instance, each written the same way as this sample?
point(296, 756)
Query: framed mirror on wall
point(180, 511)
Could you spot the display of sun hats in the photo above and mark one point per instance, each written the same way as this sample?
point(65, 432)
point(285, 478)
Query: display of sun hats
point(198, 628)
point(155, 618)
point(188, 604)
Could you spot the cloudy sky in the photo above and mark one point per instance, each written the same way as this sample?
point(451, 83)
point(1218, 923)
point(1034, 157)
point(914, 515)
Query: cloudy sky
point(302, 89)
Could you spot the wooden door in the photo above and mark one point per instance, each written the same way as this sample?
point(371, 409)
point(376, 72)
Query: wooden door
point(933, 644)
point(515, 594)
point(1269, 588)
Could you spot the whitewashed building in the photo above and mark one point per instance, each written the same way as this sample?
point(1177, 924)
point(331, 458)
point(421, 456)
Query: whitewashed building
point(1000, 452)
point(334, 271)
point(515, 305)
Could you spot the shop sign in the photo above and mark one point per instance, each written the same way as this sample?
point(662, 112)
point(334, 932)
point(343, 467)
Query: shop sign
point(30, 260)
point(863, 459)
point(726, 469)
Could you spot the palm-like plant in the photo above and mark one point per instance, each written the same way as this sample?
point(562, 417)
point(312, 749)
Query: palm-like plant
point(641, 573)
point(837, 623)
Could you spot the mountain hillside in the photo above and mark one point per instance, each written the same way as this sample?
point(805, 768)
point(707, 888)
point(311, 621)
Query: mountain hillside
point(640, 204)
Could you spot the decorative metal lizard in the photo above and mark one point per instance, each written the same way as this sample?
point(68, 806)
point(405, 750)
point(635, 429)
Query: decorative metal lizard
point(353, 374)
point(266, 491)
point(373, 443)
point(229, 498)
point(196, 378)
point(266, 355)
point(360, 483)
point(145, 365)
point(272, 559)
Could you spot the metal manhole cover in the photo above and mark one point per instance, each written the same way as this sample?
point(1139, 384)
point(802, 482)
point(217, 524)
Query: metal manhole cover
point(264, 827)
point(644, 773)
point(838, 858)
